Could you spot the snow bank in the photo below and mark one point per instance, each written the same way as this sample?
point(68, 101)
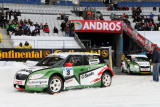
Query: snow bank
point(125, 91)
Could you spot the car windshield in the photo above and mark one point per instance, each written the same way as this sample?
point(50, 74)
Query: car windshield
point(50, 61)
point(140, 59)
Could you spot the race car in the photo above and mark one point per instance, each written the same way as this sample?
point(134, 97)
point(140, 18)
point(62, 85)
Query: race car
point(63, 71)
point(137, 64)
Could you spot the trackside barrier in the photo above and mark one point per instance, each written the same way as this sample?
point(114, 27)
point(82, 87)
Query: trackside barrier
point(140, 39)
point(11, 54)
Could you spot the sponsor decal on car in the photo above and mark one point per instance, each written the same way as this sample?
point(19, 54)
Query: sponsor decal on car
point(18, 82)
point(83, 76)
point(38, 82)
point(145, 69)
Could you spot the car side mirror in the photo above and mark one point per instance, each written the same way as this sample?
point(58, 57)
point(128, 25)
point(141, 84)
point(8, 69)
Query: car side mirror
point(68, 64)
point(128, 60)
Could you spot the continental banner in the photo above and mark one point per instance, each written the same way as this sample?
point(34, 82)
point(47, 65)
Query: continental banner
point(7, 54)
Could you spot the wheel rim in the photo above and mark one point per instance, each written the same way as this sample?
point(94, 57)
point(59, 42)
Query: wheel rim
point(106, 79)
point(55, 85)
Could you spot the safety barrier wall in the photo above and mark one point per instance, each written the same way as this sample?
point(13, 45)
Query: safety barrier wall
point(11, 54)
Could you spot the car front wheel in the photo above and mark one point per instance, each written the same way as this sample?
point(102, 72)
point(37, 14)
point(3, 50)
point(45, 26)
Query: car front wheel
point(55, 85)
point(106, 79)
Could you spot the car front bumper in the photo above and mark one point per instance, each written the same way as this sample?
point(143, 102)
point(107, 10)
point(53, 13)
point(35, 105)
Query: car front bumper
point(21, 82)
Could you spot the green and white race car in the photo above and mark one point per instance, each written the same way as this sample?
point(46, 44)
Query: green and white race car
point(137, 64)
point(63, 71)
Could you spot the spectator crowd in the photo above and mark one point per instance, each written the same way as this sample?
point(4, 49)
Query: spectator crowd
point(10, 21)
point(67, 26)
point(144, 23)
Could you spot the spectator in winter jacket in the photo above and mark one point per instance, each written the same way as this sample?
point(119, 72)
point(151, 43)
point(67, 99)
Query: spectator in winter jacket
point(32, 28)
point(22, 32)
point(63, 25)
point(41, 25)
point(24, 26)
point(20, 46)
point(34, 33)
point(27, 31)
point(151, 15)
point(10, 29)
point(37, 30)
point(155, 62)
point(27, 46)
point(37, 25)
point(30, 22)
point(158, 17)
point(45, 25)
point(1, 40)
point(66, 19)
point(67, 30)
point(18, 13)
point(17, 32)
point(55, 30)
point(28, 25)
point(72, 31)
point(46, 29)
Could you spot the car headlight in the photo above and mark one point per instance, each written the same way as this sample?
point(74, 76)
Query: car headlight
point(36, 76)
point(136, 66)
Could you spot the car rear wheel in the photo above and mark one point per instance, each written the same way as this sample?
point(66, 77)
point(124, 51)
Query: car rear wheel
point(106, 79)
point(55, 85)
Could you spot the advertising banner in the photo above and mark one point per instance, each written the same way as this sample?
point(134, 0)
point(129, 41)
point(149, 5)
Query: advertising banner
point(97, 26)
point(136, 35)
point(7, 54)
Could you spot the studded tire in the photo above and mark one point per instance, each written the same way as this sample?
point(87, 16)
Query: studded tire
point(106, 79)
point(55, 85)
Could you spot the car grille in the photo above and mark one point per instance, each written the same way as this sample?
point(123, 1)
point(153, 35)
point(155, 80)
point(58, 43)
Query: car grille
point(21, 76)
point(145, 66)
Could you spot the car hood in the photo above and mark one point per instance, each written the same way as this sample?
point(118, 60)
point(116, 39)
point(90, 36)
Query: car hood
point(34, 68)
point(143, 63)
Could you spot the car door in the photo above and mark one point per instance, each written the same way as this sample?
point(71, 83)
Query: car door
point(72, 74)
point(93, 65)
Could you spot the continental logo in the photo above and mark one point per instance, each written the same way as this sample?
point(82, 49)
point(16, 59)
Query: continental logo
point(13, 54)
point(46, 53)
point(104, 53)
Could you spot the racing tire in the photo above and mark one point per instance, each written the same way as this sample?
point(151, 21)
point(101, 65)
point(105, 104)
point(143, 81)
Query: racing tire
point(106, 79)
point(55, 85)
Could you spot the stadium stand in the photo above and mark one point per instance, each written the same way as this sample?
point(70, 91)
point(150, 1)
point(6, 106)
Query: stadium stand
point(139, 4)
point(37, 2)
point(36, 9)
point(91, 3)
point(65, 3)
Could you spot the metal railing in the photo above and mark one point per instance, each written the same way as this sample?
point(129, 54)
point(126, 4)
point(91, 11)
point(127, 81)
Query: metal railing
point(37, 44)
point(79, 41)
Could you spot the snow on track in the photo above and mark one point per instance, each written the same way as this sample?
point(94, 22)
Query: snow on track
point(125, 91)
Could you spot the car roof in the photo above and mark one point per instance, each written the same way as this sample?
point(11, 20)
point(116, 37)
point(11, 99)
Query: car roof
point(137, 55)
point(65, 54)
